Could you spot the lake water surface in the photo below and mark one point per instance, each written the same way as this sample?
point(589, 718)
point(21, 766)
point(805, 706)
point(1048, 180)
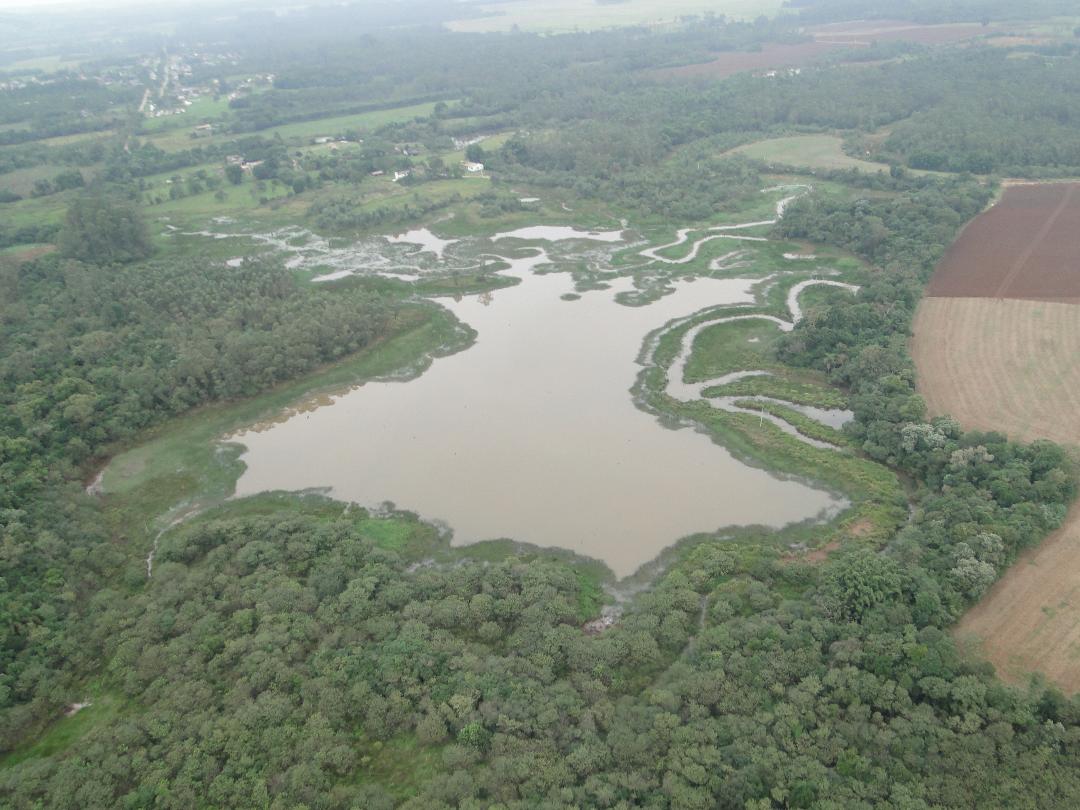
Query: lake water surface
point(532, 433)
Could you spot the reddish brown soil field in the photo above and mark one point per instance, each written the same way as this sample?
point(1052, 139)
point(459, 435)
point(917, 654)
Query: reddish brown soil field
point(771, 57)
point(826, 38)
point(1026, 246)
point(997, 362)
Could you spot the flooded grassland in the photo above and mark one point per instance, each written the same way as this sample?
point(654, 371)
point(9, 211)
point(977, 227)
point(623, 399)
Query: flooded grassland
point(553, 426)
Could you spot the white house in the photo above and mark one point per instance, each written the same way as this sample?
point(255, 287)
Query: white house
point(473, 168)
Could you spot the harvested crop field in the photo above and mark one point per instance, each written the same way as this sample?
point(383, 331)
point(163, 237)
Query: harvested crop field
point(1026, 246)
point(997, 345)
point(1030, 619)
point(1006, 365)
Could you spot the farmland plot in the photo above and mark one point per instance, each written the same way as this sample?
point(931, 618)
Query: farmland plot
point(997, 345)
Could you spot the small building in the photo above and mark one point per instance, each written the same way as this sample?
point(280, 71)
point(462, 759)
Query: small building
point(473, 168)
point(378, 173)
point(401, 175)
point(203, 130)
point(322, 139)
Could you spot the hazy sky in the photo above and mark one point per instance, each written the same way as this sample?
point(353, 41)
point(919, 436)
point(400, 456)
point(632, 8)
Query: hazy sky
point(91, 5)
point(82, 5)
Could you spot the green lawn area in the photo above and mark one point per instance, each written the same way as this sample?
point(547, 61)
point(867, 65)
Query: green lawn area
point(21, 181)
point(242, 197)
point(200, 110)
point(180, 137)
point(811, 151)
point(490, 144)
point(362, 121)
point(36, 210)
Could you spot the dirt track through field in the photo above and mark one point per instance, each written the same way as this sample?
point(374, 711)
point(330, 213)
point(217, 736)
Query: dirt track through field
point(997, 345)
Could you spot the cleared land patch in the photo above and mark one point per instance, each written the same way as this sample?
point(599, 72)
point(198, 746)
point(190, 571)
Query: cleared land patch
point(1026, 246)
point(812, 151)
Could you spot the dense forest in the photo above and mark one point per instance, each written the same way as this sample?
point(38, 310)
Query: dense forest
point(288, 652)
point(738, 680)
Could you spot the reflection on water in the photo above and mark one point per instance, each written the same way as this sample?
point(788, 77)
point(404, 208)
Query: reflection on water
point(532, 434)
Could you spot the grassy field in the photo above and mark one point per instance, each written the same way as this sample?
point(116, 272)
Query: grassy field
point(36, 210)
point(574, 15)
point(362, 121)
point(811, 151)
point(21, 181)
point(200, 109)
point(176, 139)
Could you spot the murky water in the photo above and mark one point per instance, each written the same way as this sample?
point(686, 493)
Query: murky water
point(532, 433)
point(426, 241)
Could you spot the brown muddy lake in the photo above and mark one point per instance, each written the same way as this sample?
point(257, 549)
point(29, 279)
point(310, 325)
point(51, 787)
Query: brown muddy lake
point(532, 433)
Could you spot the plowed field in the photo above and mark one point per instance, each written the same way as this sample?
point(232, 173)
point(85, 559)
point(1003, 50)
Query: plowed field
point(1026, 246)
point(997, 345)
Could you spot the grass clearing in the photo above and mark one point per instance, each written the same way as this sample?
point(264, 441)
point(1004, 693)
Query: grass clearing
point(399, 765)
point(66, 731)
point(36, 210)
point(366, 121)
point(811, 151)
point(181, 136)
point(202, 108)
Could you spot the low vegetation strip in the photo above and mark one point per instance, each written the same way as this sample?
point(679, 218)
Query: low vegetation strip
point(1023, 247)
point(1002, 365)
